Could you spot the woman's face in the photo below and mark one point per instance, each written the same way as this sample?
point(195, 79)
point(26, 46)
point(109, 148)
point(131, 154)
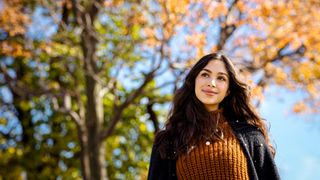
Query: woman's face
point(212, 84)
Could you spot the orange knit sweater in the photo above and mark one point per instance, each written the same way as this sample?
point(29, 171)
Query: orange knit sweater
point(220, 160)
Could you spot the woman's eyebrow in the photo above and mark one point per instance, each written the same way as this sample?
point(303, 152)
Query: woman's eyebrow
point(220, 73)
point(207, 70)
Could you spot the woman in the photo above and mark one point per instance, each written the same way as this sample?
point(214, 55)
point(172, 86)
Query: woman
point(213, 132)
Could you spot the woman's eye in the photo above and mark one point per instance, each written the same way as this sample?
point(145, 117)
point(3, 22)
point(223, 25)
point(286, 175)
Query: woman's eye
point(205, 75)
point(222, 78)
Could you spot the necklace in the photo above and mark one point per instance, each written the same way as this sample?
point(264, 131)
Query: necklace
point(217, 132)
point(207, 139)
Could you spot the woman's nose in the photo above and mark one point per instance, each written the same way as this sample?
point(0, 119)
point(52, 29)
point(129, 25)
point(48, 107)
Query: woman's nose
point(213, 83)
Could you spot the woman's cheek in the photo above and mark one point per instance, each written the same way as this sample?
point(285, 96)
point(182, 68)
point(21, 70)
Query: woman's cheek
point(201, 81)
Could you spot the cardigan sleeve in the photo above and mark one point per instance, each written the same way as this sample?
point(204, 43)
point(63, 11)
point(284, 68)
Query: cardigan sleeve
point(155, 166)
point(262, 157)
point(161, 169)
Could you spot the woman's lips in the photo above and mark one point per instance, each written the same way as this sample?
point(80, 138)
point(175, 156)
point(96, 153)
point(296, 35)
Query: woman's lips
point(209, 92)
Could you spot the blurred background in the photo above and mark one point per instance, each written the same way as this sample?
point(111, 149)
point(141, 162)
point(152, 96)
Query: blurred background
point(84, 85)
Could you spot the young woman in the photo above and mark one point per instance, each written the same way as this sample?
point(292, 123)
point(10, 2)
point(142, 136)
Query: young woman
point(213, 132)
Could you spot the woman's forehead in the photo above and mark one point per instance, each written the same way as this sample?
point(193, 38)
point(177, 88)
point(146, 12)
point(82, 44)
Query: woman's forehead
point(216, 67)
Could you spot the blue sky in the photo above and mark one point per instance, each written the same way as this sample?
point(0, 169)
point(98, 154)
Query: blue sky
point(296, 136)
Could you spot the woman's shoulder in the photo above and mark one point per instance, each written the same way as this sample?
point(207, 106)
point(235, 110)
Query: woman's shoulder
point(244, 128)
point(162, 140)
point(250, 135)
point(162, 136)
point(163, 145)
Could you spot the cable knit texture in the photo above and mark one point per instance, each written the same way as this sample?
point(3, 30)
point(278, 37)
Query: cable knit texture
point(220, 160)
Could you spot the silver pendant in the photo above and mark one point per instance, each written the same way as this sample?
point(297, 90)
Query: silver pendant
point(190, 149)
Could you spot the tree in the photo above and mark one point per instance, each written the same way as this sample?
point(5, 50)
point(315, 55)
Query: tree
point(84, 86)
point(31, 134)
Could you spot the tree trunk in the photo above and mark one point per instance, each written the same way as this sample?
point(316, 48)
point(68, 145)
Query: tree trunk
point(92, 155)
point(84, 154)
point(92, 159)
point(92, 147)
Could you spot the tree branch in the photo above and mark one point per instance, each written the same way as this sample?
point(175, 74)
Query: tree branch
point(226, 29)
point(62, 22)
point(14, 87)
point(119, 109)
point(153, 117)
point(66, 110)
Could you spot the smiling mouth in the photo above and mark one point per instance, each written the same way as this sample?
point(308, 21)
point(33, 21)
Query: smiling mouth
point(210, 93)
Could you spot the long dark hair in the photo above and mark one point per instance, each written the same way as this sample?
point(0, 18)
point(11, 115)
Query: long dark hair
point(188, 118)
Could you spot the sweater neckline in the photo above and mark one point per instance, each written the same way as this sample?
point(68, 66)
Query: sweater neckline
point(217, 111)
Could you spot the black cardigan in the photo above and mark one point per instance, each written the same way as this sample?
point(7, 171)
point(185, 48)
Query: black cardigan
point(261, 165)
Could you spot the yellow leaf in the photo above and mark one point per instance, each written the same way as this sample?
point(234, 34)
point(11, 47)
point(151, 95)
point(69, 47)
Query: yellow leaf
point(312, 90)
point(142, 128)
point(299, 107)
point(269, 68)
point(25, 105)
point(12, 18)
point(257, 93)
point(217, 9)
point(3, 121)
point(11, 150)
point(280, 76)
point(54, 85)
point(305, 71)
point(19, 152)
